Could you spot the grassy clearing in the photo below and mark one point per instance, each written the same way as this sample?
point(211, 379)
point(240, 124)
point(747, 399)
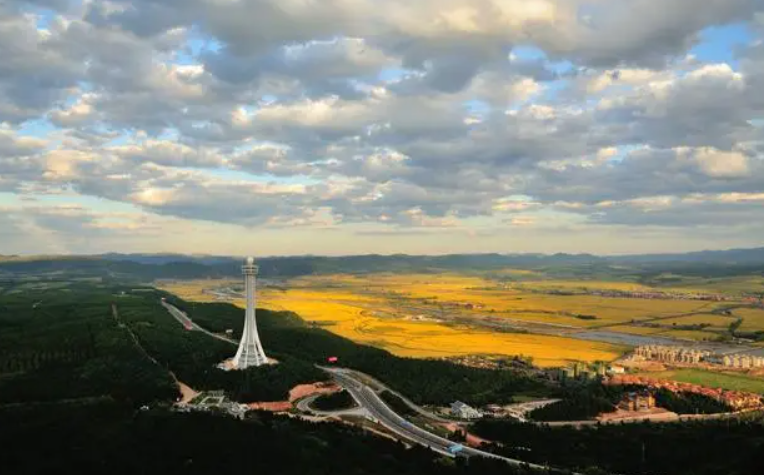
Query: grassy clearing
point(736, 382)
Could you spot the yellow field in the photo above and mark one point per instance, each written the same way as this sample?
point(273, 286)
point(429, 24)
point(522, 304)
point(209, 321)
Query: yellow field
point(607, 310)
point(634, 330)
point(410, 337)
point(724, 285)
point(193, 290)
point(430, 315)
point(369, 311)
point(753, 319)
point(716, 321)
point(585, 285)
point(516, 302)
point(696, 335)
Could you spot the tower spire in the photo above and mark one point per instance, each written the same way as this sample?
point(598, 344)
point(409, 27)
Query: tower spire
point(250, 352)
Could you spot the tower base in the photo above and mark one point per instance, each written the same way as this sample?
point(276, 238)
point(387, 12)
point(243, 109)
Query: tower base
point(249, 356)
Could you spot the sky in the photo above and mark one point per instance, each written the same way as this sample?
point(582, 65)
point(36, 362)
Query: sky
point(290, 127)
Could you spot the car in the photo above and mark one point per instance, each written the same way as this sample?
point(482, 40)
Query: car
point(455, 449)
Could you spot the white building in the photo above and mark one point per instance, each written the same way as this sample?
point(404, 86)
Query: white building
point(613, 369)
point(463, 411)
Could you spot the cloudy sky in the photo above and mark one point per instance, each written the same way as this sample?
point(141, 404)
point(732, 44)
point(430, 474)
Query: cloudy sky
point(357, 126)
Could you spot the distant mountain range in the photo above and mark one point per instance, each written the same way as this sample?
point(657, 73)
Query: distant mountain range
point(154, 266)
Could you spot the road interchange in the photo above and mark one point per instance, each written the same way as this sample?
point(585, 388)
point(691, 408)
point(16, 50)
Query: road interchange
point(378, 410)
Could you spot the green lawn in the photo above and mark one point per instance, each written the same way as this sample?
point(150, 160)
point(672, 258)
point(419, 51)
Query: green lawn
point(711, 379)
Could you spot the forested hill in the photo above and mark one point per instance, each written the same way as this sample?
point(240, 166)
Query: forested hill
point(158, 266)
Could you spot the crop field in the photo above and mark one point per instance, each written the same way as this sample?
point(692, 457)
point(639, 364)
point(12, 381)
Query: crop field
point(714, 325)
point(753, 318)
point(432, 315)
point(732, 382)
point(422, 338)
point(695, 335)
point(585, 285)
point(636, 330)
point(374, 311)
point(195, 290)
point(718, 321)
point(724, 285)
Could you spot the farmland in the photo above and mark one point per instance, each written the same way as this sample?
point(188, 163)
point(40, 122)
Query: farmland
point(753, 319)
point(416, 336)
point(432, 315)
point(505, 312)
point(91, 342)
point(378, 321)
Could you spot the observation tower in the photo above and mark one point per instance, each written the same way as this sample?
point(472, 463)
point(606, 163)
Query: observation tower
point(250, 352)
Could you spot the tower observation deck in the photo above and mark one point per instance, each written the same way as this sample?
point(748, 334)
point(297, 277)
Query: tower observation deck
point(250, 352)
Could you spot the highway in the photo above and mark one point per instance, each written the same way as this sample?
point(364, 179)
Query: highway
point(379, 387)
point(305, 405)
point(377, 409)
point(381, 412)
point(189, 324)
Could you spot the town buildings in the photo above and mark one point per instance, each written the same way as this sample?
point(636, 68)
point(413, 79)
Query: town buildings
point(691, 356)
point(637, 401)
point(736, 400)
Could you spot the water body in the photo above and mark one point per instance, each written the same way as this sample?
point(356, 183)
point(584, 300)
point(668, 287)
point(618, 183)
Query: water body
point(641, 340)
point(628, 339)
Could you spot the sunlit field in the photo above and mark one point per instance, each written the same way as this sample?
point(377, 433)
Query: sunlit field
point(433, 315)
point(382, 320)
point(635, 330)
point(753, 319)
point(526, 301)
point(409, 337)
point(717, 321)
point(725, 285)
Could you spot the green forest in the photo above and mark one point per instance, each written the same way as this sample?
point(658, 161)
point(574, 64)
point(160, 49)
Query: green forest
point(731, 447)
point(75, 376)
point(68, 343)
point(585, 402)
point(110, 438)
point(334, 402)
point(285, 336)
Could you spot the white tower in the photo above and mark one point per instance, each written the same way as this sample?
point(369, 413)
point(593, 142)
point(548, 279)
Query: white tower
point(250, 352)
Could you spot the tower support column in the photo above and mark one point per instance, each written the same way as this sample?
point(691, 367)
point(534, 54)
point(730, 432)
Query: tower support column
point(250, 352)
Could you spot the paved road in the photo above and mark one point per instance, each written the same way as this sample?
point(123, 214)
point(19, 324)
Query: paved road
point(305, 405)
point(382, 413)
point(376, 407)
point(380, 386)
point(181, 317)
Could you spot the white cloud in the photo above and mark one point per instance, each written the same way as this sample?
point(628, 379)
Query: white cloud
point(720, 164)
point(341, 114)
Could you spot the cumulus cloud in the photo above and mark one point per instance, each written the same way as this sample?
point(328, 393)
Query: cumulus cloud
point(419, 115)
point(718, 164)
